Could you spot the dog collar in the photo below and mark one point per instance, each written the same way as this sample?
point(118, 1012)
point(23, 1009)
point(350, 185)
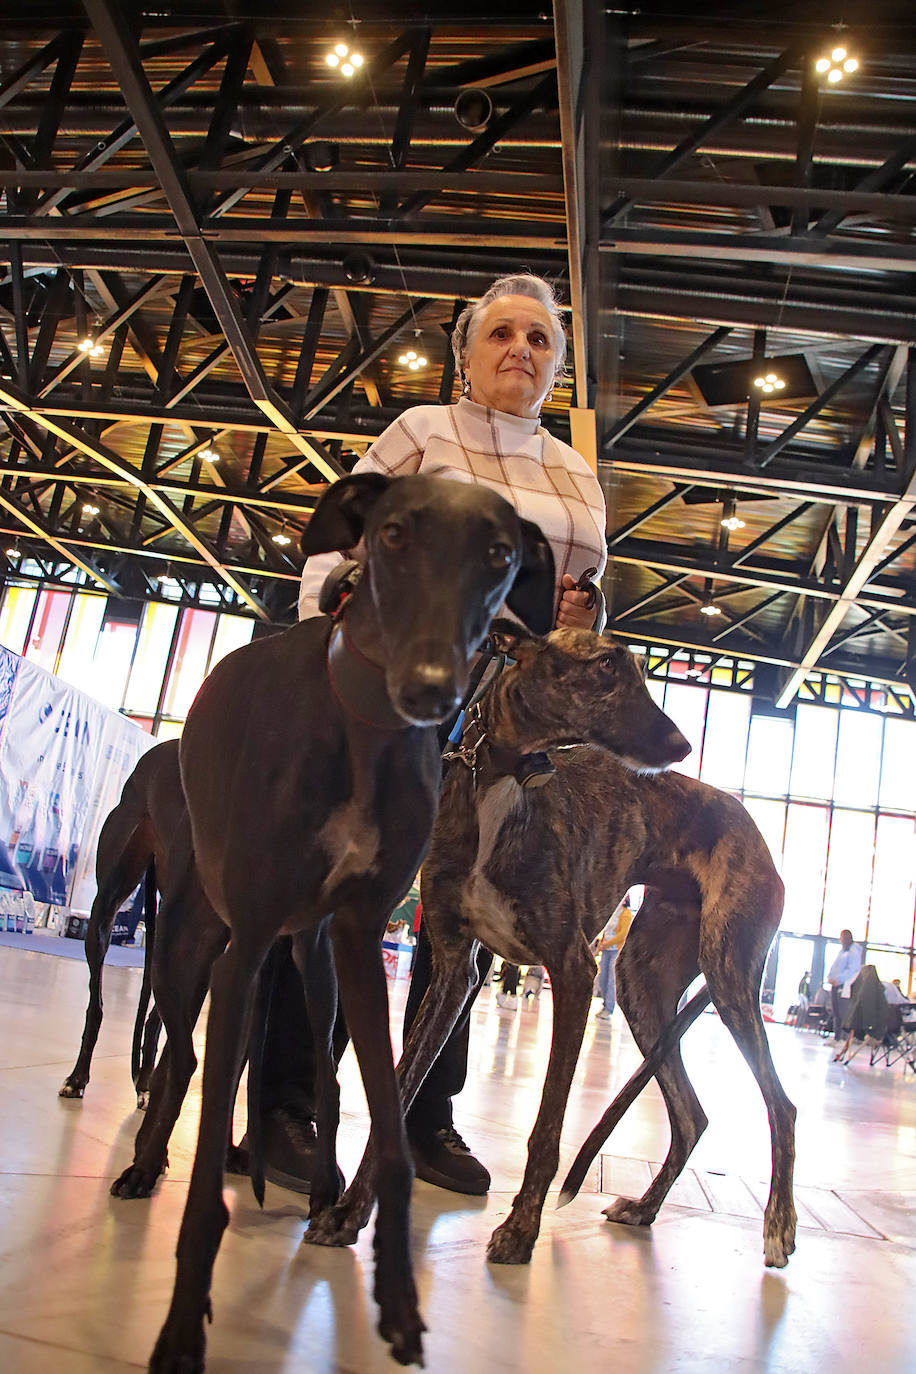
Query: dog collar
point(359, 685)
point(477, 752)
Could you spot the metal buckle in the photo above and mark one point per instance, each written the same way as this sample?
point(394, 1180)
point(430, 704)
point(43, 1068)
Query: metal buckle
point(466, 752)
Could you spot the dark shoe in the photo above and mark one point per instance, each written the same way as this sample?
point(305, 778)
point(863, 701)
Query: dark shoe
point(289, 1150)
point(446, 1162)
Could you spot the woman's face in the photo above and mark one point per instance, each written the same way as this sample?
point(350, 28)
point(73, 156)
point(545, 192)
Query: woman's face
point(511, 357)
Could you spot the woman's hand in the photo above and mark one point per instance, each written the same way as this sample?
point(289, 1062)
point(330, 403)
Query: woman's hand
point(574, 610)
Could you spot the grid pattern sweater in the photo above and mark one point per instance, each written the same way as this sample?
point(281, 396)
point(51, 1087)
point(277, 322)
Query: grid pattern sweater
point(544, 479)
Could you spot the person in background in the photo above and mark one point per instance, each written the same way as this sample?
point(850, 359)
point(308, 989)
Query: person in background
point(840, 975)
point(609, 946)
point(507, 996)
point(510, 350)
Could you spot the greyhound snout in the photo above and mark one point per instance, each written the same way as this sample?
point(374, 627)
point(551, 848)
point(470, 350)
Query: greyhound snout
point(676, 747)
point(427, 693)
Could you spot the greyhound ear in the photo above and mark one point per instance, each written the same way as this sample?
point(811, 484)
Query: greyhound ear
point(340, 517)
point(506, 635)
point(534, 589)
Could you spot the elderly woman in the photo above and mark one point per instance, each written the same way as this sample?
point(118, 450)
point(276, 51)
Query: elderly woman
point(510, 350)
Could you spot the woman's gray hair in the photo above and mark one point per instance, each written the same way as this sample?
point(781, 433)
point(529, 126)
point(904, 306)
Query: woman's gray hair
point(520, 284)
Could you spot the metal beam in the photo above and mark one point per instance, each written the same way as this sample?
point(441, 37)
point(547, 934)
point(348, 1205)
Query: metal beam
point(766, 455)
point(739, 104)
point(672, 558)
point(569, 31)
point(810, 253)
point(676, 374)
point(16, 400)
point(876, 547)
point(120, 46)
point(66, 550)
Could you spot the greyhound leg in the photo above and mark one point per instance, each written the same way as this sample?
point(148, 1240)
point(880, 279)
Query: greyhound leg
point(364, 993)
point(314, 958)
point(148, 1058)
point(181, 1343)
point(571, 980)
point(454, 979)
point(98, 936)
point(735, 992)
point(181, 973)
point(656, 965)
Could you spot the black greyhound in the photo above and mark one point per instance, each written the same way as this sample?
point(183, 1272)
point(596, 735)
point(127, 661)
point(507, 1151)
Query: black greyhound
point(133, 845)
point(311, 772)
point(533, 876)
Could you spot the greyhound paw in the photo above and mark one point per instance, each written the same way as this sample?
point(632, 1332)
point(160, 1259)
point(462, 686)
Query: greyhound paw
point(142, 1099)
point(778, 1248)
point(134, 1182)
point(71, 1087)
point(175, 1353)
point(322, 1199)
point(401, 1325)
point(627, 1211)
point(510, 1245)
point(334, 1227)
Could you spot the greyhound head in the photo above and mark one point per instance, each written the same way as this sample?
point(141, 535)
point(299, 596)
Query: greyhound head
point(441, 558)
point(578, 687)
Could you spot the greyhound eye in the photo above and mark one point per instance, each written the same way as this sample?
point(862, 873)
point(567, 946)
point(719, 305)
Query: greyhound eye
point(608, 664)
point(393, 536)
point(500, 555)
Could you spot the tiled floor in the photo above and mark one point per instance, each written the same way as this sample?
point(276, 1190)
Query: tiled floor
point(85, 1279)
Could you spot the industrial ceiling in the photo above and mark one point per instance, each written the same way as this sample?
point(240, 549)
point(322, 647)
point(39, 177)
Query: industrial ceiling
point(251, 239)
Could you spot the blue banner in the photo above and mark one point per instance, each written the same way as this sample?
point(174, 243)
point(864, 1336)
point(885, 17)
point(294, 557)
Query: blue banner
point(63, 761)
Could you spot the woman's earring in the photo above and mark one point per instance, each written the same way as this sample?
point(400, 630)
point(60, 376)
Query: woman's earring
point(465, 385)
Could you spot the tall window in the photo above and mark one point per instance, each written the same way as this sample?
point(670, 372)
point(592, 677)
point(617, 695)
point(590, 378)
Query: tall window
point(15, 615)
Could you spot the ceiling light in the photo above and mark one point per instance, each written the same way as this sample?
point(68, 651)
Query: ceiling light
point(732, 522)
point(412, 360)
point(836, 66)
point(209, 455)
point(282, 539)
point(710, 609)
point(342, 57)
point(90, 347)
point(12, 551)
point(769, 383)
point(89, 509)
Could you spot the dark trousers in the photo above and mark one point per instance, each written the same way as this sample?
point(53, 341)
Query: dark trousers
point(288, 1068)
point(288, 1073)
point(836, 992)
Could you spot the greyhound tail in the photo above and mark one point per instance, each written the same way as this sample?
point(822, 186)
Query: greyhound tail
point(629, 1093)
point(149, 917)
point(256, 1042)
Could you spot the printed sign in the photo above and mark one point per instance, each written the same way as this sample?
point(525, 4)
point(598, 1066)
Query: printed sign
point(63, 761)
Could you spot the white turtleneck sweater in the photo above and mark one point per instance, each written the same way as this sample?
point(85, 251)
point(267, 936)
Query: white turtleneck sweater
point(544, 479)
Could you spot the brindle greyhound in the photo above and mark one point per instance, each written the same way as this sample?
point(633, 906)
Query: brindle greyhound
point(133, 845)
point(311, 773)
point(532, 875)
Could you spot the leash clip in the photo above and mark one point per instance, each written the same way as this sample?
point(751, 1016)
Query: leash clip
point(466, 752)
point(585, 584)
